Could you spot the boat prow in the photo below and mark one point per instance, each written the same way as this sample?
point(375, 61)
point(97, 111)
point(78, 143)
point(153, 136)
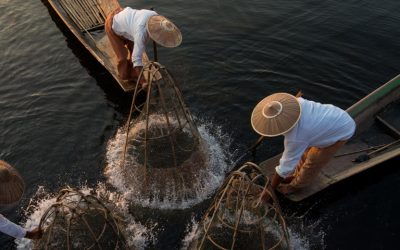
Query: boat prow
point(376, 140)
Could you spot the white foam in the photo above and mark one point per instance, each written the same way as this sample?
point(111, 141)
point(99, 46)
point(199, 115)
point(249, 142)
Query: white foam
point(193, 233)
point(34, 213)
point(135, 233)
point(208, 178)
point(297, 241)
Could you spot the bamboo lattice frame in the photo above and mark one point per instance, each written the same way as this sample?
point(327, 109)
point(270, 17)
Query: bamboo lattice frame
point(79, 221)
point(164, 101)
point(237, 199)
point(86, 14)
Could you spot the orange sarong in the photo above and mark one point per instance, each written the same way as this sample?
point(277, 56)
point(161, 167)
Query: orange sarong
point(122, 48)
point(311, 164)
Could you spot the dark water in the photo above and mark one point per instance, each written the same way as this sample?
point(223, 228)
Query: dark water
point(59, 108)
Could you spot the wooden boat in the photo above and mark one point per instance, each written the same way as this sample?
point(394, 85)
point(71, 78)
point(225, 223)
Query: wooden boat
point(376, 140)
point(85, 19)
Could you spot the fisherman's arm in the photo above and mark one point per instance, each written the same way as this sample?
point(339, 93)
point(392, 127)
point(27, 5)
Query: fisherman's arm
point(11, 228)
point(287, 164)
point(17, 231)
point(139, 48)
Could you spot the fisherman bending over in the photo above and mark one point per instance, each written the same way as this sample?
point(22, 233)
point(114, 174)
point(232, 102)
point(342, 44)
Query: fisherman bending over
point(11, 190)
point(313, 133)
point(128, 31)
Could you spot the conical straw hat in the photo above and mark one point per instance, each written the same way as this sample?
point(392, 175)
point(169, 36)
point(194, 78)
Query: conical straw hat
point(11, 184)
point(163, 31)
point(275, 114)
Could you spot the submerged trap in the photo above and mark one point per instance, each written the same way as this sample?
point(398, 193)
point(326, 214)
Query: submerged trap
point(163, 148)
point(79, 221)
point(235, 221)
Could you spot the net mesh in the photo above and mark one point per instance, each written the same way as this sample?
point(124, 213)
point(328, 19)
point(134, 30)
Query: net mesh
point(79, 221)
point(163, 146)
point(235, 219)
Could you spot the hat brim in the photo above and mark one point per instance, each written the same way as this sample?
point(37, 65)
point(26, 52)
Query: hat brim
point(11, 190)
point(163, 31)
point(280, 124)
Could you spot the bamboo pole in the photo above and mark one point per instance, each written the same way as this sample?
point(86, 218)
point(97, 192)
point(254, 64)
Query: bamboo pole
point(75, 16)
point(89, 10)
point(71, 14)
point(79, 23)
point(93, 10)
point(81, 10)
point(102, 13)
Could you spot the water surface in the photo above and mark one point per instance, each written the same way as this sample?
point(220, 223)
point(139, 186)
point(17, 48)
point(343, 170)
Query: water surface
point(59, 109)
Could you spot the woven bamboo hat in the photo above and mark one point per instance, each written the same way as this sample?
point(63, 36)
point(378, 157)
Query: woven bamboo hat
point(11, 184)
point(163, 31)
point(275, 114)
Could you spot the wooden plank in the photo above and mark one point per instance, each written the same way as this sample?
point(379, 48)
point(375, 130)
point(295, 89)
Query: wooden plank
point(73, 8)
point(79, 7)
point(71, 14)
point(391, 86)
point(392, 129)
point(323, 181)
point(90, 5)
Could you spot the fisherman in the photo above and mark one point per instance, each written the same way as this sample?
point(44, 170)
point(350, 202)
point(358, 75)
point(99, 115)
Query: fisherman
point(313, 133)
point(128, 31)
point(11, 190)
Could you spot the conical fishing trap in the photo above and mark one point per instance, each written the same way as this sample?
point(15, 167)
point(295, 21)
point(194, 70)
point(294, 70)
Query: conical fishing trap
point(235, 220)
point(79, 221)
point(163, 148)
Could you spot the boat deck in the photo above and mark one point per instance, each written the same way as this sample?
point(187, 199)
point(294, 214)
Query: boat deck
point(85, 19)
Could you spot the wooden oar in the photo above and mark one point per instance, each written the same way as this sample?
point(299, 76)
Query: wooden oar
point(366, 157)
point(359, 151)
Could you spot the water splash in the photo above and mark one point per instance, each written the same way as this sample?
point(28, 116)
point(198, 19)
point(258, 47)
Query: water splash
point(297, 241)
point(137, 235)
point(207, 179)
point(192, 234)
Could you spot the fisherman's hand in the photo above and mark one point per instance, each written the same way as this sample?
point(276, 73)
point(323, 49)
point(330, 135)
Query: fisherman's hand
point(34, 234)
point(137, 70)
point(143, 83)
point(265, 196)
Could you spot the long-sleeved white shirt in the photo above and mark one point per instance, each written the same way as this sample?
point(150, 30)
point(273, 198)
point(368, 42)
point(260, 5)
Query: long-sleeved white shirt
point(10, 228)
point(320, 125)
point(131, 24)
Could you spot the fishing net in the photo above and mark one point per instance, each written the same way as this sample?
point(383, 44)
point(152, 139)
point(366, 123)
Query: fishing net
point(235, 220)
point(163, 145)
point(79, 221)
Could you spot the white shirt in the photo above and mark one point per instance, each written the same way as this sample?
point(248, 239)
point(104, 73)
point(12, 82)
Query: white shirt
point(131, 24)
point(11, 229)
point(320, 125)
